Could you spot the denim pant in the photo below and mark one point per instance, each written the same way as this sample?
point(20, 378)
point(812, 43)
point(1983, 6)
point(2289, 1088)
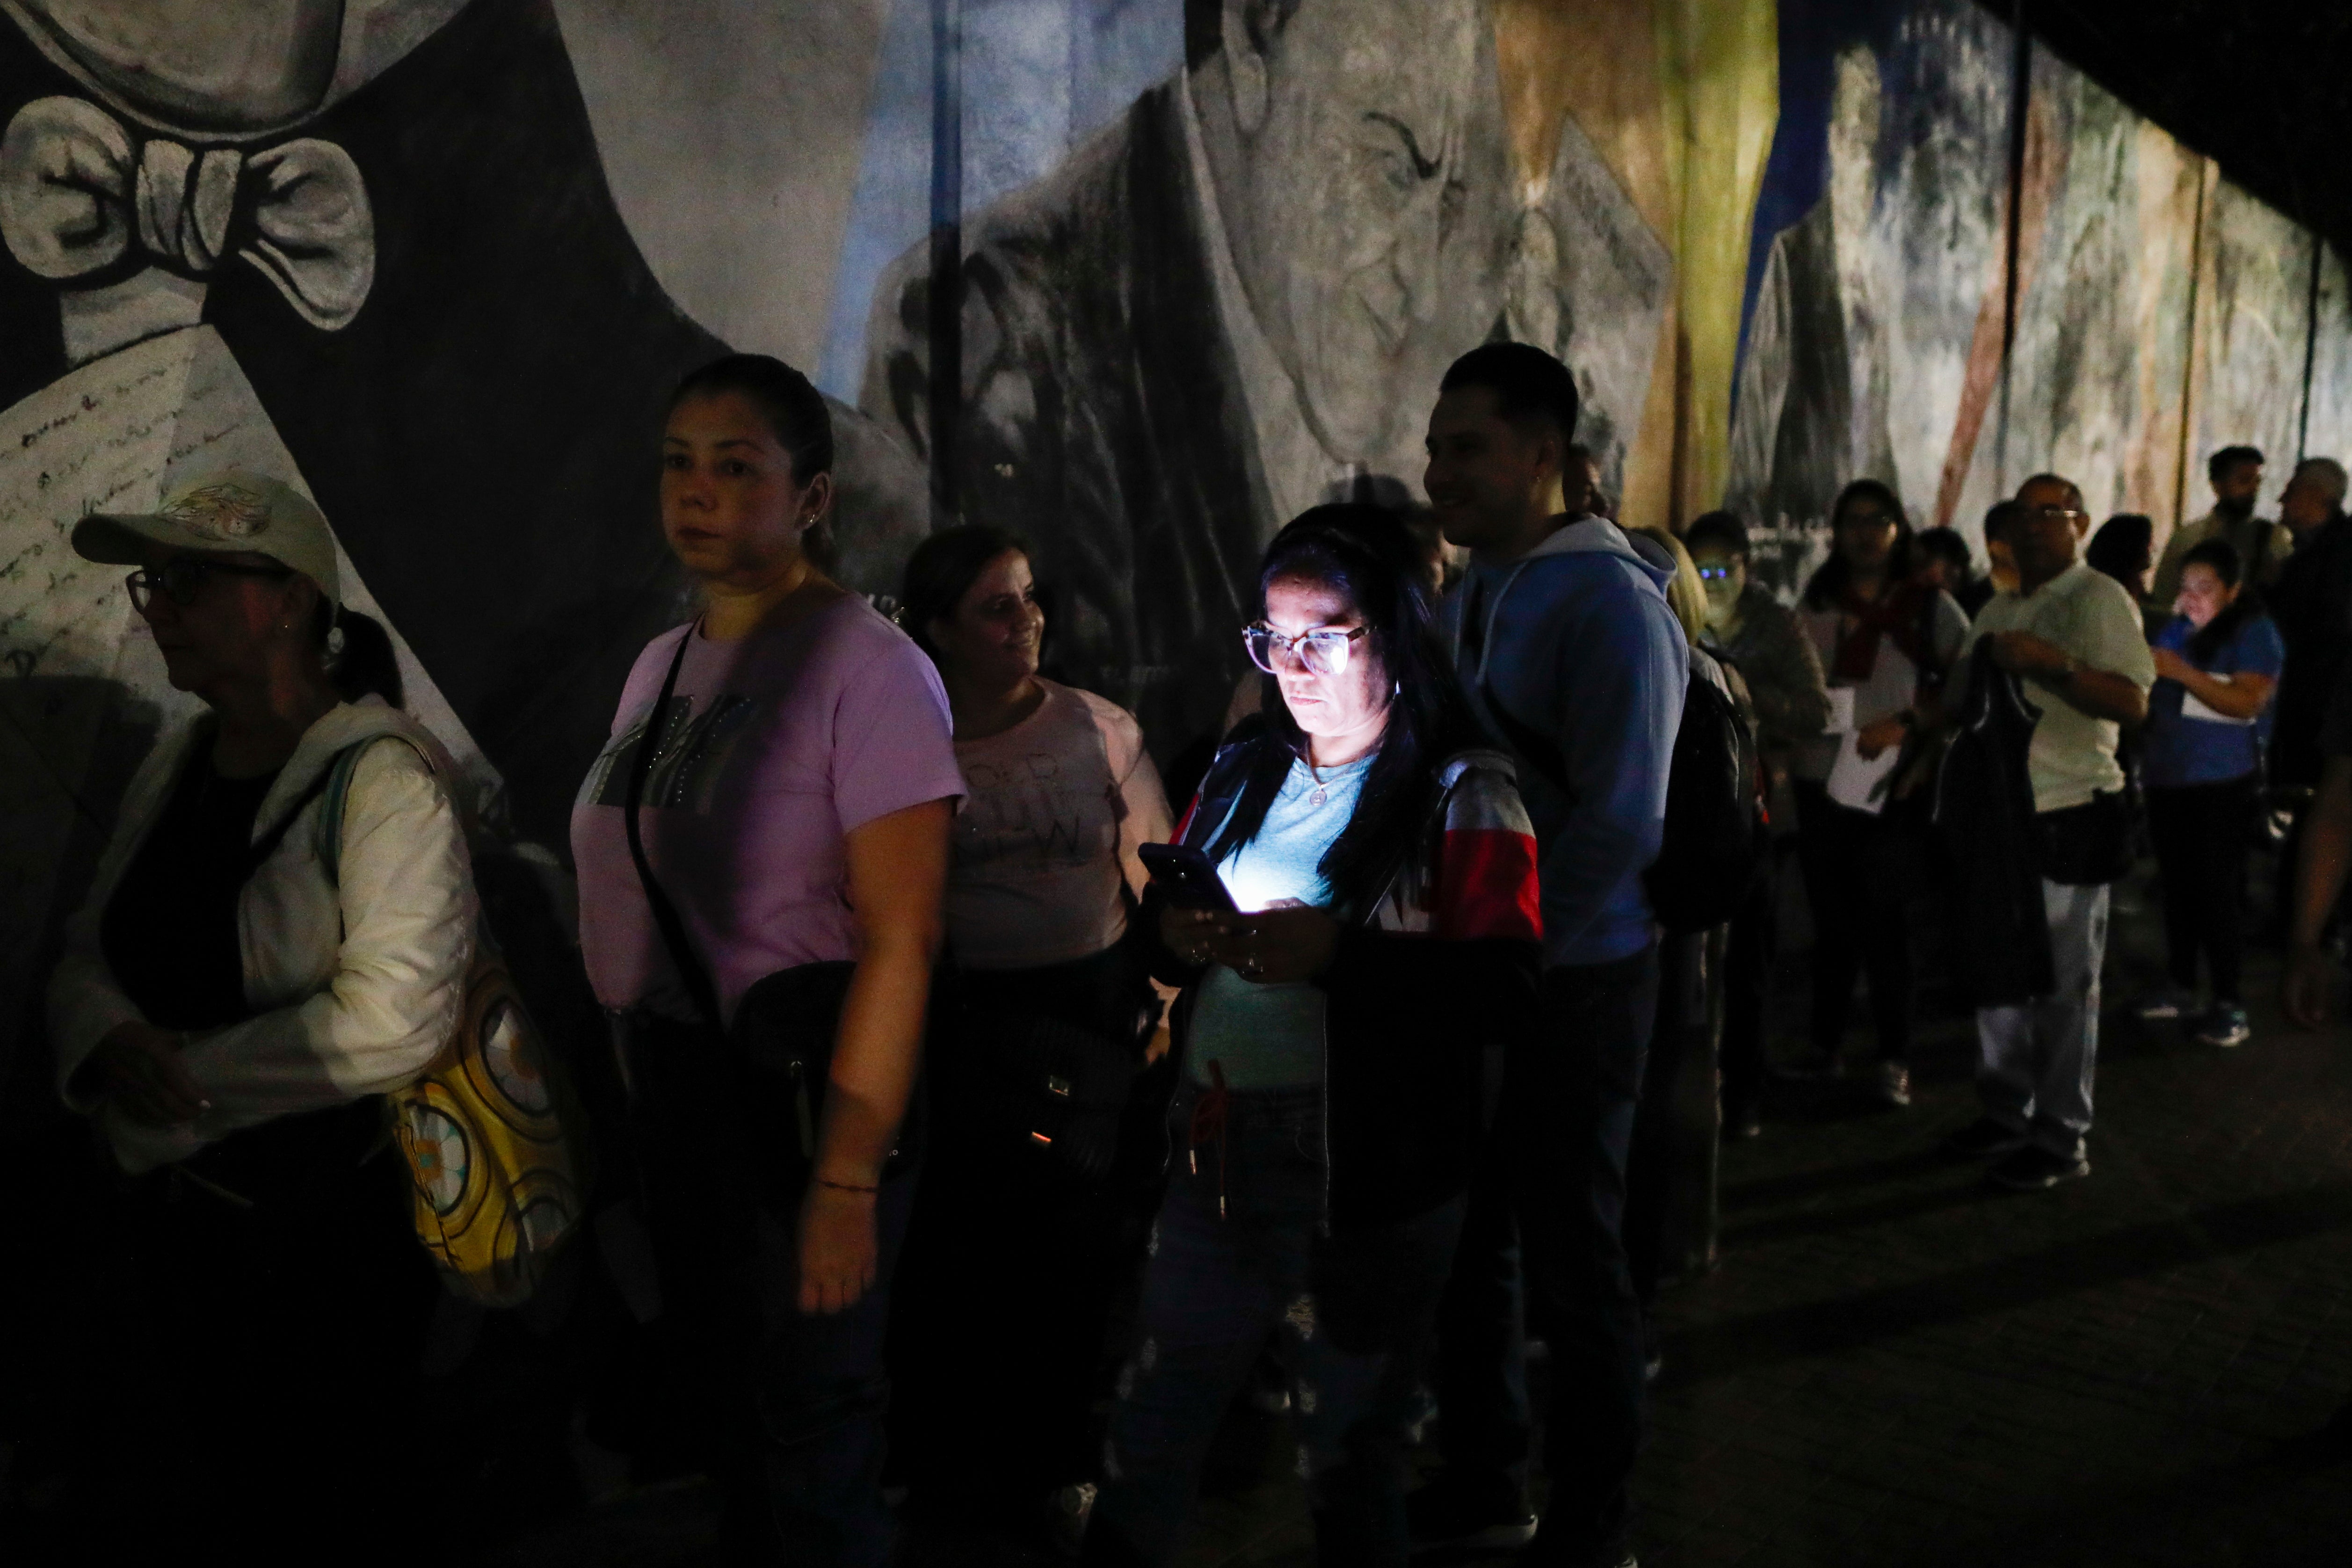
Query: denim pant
point(1352, 1311)
point(1555, 1183)
point(2038, 1058)
point(789, 1406)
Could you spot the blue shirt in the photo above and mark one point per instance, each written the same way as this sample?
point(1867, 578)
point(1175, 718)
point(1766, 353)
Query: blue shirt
point(2181, 749)
point(1265, 1035)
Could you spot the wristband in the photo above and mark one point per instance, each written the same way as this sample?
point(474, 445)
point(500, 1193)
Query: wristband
point(845, 1186)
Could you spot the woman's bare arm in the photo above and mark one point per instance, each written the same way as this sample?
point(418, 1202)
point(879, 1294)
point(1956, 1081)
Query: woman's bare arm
point(897, 880)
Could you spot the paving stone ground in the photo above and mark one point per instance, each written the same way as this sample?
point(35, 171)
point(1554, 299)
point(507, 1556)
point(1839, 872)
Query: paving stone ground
point(1893, 1364)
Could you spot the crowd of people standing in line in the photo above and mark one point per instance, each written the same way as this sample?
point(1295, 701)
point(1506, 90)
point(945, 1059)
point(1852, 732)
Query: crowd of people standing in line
point(982, 1148)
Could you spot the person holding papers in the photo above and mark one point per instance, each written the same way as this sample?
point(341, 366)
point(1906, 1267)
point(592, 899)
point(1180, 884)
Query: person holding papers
point(2217, 663)
point(1886, 641)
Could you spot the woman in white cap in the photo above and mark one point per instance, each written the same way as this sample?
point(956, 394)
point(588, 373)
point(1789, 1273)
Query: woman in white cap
point(229, 1016)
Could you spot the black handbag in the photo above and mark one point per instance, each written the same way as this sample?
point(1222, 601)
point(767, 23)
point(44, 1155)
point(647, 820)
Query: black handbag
point(1055, 1070)
point(779, 1054)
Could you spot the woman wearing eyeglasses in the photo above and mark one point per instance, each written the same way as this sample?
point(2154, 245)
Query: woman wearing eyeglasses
point(1332, 1036)
point(228, 1015)
point(1034, 1179)
point(1887, 639)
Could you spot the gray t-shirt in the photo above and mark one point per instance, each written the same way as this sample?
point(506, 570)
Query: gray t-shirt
point(2090, 616)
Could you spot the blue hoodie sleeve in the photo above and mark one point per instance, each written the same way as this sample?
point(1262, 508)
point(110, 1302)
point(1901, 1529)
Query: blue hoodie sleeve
point(1618, 701)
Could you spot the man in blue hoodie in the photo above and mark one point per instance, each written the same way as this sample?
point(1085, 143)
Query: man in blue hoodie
point(1564, 641)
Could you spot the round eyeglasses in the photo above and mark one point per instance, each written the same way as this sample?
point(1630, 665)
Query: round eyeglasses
point(1323, 651)
point(182, 578)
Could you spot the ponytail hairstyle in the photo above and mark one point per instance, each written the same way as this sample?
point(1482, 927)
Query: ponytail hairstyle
point(1369, 554)
point(2221, 558)
point(796, 416)
point(942, 572)
point(358, 654)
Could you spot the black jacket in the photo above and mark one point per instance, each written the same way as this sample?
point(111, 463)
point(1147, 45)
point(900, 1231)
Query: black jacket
point(1984, 804)
point(1425, 990)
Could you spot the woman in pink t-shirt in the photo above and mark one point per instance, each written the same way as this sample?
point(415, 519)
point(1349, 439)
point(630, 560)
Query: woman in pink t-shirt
point(762, 851)
point(1036, 1052)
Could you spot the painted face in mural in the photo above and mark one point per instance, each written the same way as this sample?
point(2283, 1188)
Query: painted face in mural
point(1344, 712)
point(732, 509)
point(222, 620)
point(1352, 125)
point(1487, 478)
point(228, 67)
point(2203, 595)
point(992, 640)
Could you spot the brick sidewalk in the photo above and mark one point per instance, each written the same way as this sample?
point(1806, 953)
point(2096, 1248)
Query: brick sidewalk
point(1896, 1364)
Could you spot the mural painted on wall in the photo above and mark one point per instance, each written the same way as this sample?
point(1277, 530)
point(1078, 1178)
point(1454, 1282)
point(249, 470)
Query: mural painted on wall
point(436, 262)
point(2252, 331)
point(1873, 342)
point(1237, 300)
point(2099, 374)
point(368, 246)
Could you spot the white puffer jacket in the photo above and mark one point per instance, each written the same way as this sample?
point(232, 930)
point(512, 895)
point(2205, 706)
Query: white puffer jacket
point(354, 986)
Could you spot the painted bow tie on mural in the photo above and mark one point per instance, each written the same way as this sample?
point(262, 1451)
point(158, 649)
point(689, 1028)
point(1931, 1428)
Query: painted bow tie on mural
point(79, 192)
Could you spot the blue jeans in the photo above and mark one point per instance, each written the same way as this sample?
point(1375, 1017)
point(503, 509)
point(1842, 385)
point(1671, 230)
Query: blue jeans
point(1553, 1191)
point(1352, 1309)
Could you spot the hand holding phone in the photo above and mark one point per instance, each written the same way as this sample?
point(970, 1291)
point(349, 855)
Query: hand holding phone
point(1185, 876)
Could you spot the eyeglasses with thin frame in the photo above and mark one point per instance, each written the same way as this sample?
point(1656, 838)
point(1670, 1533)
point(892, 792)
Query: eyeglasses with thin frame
point(181, 579)
point(2065, 514)
point(1323, 651)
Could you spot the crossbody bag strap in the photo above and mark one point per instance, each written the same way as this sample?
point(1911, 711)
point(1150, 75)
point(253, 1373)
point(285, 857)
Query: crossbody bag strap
point(682, 955)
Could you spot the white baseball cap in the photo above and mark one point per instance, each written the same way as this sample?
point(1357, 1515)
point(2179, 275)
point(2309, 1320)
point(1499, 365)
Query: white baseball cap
point(223, 512)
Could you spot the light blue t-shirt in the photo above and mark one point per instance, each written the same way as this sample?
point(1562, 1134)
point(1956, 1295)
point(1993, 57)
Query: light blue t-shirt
point(1266, 1036)
point(2181, 749)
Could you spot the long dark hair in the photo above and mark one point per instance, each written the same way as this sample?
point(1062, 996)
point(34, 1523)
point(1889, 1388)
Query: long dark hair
point(942, 572)
point(1368, 553)
point(2121, 549)
point(797, 416)
point(1828, 583)
point(2214, 635)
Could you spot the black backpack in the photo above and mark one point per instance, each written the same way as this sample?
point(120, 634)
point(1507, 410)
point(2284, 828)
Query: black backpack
point(1714, 837)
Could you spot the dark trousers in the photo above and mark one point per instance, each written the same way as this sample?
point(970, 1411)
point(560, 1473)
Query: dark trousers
point(995, 1387)
point(1555, 1183)
point(283, 1368)
point(1858, 873)
point(2199, 831)
point(1650, 1172)
point(789, 1406)
point(1754, 948)
point(1238, 1251)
